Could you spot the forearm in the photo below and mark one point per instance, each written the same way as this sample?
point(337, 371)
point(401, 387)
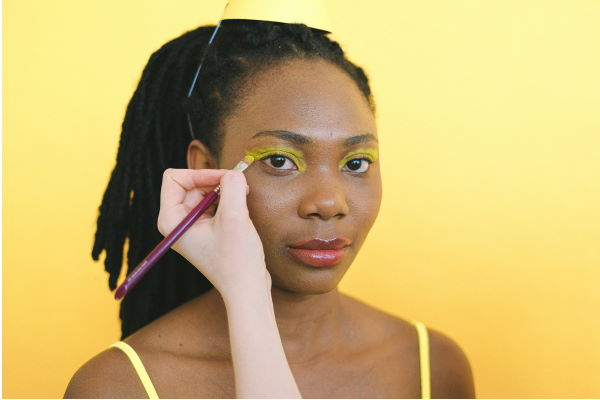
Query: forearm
point(260, 367)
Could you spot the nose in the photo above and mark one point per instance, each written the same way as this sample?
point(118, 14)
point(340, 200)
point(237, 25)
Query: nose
point(324, 199)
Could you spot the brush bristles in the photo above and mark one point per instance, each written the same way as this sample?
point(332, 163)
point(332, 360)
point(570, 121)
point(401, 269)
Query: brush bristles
point(248, 160)
point(245, 163)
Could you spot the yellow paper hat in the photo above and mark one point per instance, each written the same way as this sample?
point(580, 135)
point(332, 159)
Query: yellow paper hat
point(312, 13)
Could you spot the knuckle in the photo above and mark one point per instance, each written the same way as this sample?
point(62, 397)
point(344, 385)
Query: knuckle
point(161, 225)
point(168, 172)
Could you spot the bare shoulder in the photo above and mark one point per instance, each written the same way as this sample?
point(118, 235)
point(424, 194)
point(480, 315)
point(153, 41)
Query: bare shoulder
point(377, 324)
point(451, 374)
point(107, 375)
point(450, 370)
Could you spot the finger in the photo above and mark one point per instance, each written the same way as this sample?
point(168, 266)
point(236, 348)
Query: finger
point(178, 182)
point(233, 195)
point(193, 178)
point(194, 197)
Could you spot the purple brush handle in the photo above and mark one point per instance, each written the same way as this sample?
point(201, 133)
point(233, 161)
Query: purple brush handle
point(151, 259)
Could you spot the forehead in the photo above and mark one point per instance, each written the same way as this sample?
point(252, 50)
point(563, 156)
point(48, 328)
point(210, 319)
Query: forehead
point(311, 97)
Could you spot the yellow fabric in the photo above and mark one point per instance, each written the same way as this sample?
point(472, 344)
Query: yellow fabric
point(423, 361)
point(139, 368)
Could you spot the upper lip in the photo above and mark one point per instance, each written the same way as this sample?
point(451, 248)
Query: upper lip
point(321, 244)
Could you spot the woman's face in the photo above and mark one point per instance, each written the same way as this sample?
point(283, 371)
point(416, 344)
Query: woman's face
point(315, 187)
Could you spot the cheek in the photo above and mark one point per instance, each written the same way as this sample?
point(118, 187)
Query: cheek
point(271, 206)
point(365, 201)
point(375, 198)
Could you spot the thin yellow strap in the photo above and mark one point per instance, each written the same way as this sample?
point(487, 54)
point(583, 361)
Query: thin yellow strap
point(424, 359)
point(139, 368)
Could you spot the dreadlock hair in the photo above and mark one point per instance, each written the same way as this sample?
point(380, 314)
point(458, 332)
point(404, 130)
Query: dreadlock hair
point(155, 136)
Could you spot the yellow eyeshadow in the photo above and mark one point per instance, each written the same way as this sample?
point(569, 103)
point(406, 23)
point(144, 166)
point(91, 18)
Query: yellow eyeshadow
point(370, 154)
point(296, 156)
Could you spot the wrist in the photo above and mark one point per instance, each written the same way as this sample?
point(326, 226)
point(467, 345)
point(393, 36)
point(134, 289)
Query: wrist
point(249, 296)
point(247, 290)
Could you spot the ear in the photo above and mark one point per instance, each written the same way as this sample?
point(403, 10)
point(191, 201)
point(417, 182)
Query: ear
point(199, 156)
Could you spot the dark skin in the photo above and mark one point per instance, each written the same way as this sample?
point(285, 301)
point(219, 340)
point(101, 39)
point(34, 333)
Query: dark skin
point(337, 347)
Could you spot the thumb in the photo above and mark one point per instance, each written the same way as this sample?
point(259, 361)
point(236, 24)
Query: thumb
point(232, 202)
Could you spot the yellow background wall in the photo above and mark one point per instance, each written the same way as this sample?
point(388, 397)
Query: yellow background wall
point(489, 117)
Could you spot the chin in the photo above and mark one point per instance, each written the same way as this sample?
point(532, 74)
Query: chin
point(307, 280)
point(304, 289)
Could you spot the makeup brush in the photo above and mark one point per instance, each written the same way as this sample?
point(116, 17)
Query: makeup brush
point(148, 262)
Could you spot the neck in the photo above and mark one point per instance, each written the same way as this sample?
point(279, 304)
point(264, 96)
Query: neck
point(309, 325)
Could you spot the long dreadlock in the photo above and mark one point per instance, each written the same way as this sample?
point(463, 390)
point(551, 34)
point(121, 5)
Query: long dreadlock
point(155, 136)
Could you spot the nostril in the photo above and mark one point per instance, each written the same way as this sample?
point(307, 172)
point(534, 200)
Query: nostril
point(324, 204)
point(325, 217)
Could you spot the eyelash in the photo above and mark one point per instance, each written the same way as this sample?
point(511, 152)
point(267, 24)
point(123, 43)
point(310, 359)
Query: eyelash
point(368, 160)
point(270, 156)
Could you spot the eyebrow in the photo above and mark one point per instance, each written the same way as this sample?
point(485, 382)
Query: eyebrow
point(299, 139)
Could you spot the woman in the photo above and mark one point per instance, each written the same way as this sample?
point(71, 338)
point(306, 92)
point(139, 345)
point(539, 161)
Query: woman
point(268, 319)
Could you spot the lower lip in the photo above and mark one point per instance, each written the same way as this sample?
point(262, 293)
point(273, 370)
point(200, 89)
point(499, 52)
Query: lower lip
point(318, 258)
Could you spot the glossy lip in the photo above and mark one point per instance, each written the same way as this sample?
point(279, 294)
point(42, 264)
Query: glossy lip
point(321, 244)
point(319, 252)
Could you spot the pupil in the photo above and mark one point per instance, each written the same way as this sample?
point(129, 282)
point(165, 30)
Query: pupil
point(277, 161)
point(354, 164)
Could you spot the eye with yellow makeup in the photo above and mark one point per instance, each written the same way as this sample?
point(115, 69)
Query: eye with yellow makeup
point(358, 161)
point(279, 159)
point(279, 162)
point(285, 160)
point(359, 165)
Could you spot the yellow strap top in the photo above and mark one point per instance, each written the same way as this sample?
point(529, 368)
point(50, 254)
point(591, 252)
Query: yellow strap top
point(139, 368)
point(423, 359)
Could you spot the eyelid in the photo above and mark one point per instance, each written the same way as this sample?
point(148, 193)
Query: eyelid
point(295, 157)
point(370, 154)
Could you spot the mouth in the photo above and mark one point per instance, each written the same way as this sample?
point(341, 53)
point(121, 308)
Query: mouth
point(320, 252)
